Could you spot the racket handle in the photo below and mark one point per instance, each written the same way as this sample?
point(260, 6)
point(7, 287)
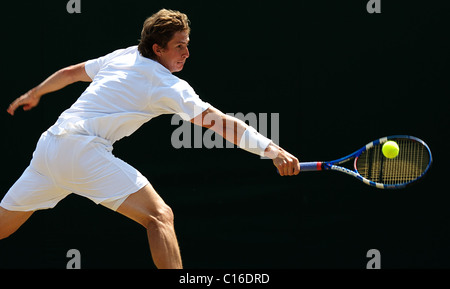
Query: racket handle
point(310, 166)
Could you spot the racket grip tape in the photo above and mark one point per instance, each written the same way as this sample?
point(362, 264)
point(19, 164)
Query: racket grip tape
point(310, 166)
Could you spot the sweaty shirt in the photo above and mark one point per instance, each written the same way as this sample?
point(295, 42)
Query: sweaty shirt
point(127, 90)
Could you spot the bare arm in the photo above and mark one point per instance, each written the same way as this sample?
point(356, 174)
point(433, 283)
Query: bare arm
point(232, 129)
point(56, 81)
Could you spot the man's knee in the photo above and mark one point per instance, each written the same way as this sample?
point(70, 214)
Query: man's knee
point(10, 221)
point(162, 217)
point(4, 234)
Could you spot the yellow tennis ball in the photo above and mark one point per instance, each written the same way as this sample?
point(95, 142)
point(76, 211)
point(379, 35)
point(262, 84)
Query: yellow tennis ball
point(390, 149)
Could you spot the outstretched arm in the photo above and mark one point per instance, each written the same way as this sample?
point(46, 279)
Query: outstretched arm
point(56, 81)
point(233, 129)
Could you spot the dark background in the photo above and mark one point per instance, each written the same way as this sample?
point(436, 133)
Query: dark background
point(339, 78)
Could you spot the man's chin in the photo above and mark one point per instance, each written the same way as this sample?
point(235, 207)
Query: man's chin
point(178, 68)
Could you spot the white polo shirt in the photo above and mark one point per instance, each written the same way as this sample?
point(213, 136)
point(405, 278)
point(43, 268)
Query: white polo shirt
point(127, 90)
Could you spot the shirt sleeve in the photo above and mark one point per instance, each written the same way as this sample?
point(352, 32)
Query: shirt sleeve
point(179, 98)
point(93, 66)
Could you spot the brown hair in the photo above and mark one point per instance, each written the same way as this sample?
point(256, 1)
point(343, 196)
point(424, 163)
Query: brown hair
point(160, 28)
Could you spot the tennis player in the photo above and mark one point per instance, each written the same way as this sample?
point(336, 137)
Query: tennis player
point(128, 87)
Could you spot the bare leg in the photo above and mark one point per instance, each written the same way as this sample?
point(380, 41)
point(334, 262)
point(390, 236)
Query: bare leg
point(148, 209)
point(10, 221)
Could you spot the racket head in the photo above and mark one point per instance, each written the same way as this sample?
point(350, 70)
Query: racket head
point(412, 163)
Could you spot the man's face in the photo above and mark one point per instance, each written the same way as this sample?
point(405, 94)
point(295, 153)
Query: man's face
point(176, 52)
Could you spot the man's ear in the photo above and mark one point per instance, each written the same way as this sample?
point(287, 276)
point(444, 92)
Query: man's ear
point(157, 49)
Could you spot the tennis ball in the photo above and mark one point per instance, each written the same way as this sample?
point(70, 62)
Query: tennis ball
point(390, 149)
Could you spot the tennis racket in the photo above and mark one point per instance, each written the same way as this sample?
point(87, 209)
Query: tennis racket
point(372, 168)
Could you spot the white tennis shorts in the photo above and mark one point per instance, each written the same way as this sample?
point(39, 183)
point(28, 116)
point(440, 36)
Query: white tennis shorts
point(78, 164)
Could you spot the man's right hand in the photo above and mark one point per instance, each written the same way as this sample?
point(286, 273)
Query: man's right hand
point(286, 163)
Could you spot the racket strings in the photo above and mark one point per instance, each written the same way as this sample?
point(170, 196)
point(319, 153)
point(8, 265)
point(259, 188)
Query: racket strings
point(410, 164)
